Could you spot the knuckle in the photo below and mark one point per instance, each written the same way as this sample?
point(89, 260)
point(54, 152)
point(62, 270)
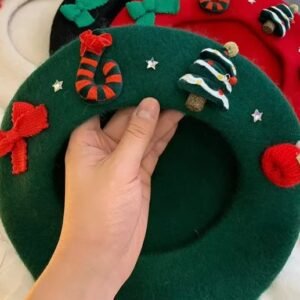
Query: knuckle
point(137, 130)
point(156, 151)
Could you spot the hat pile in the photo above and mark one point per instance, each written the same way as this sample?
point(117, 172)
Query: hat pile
point(75, 16)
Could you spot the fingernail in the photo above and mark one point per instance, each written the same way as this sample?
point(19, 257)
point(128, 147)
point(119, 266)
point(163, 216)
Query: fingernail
point(148, 109)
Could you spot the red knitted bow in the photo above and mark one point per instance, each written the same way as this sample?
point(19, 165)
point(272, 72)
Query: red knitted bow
point(94, 43)
point(27, 121)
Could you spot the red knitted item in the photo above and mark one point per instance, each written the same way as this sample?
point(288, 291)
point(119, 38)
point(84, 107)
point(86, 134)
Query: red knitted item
point(94, 43)
point(27, 121)
point(280, 165)
point(278, 57)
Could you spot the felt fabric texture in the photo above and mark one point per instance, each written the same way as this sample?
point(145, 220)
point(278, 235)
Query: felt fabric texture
point(218, 224)
point(63, 30)
point(144, 12)
point(278, 57)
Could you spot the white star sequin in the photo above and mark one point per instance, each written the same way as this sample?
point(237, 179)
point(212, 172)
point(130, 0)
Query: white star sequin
point(57, 86)
point(257, 116)
point(151, 64)
point(252, 1)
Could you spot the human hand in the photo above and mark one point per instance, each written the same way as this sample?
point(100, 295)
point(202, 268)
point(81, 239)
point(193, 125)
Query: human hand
point(107, 196)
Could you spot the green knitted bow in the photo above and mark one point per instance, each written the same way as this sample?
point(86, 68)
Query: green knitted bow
point(79, 12)
point(144, 12)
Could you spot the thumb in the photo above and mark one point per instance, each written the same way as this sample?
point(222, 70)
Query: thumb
point(136, 138)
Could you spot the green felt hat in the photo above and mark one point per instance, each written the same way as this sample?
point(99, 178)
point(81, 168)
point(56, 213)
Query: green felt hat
point(225, 207)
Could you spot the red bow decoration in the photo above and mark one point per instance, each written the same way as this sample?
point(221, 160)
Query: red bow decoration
point(94, 43)
point(27, 121)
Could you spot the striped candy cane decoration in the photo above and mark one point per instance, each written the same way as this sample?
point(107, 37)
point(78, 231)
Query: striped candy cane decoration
point(92, 47)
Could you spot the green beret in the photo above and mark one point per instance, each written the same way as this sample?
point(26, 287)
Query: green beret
point(225, 207)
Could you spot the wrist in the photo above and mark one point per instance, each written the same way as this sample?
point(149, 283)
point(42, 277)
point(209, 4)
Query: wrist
point(95, 272)
point(72, 274)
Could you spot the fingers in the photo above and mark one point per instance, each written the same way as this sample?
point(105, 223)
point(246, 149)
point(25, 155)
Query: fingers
point(150, 161)
point(136, 138)
point(83, 135)
point(92, 124)
point(117, 124)
point(168, 120)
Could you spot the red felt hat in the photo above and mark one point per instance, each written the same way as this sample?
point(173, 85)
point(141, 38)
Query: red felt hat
point(278, 56)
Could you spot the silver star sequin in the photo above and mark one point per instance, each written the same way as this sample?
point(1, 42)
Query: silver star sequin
point(152, 63)
point(57, 86)
point(257, 116)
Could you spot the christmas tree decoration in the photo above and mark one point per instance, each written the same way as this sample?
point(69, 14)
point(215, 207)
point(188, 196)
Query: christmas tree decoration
point(278, 19)
point(79, 12)
point(144, 12)
point(281, 165)
point(28, 121)
point(210, 177)
point(92, 47)
point(211, 78)
point(214, 6)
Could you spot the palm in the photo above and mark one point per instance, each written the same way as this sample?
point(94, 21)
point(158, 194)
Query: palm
point(128, 212)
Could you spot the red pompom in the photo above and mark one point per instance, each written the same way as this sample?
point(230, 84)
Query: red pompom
point(94, 43)
point(233, 80)
point(281, 165)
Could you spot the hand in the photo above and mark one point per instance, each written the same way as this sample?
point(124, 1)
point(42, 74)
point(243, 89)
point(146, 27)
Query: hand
point(107, 196)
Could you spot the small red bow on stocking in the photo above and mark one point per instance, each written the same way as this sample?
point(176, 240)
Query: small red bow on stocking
point(27, 121)
point(94, 43)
